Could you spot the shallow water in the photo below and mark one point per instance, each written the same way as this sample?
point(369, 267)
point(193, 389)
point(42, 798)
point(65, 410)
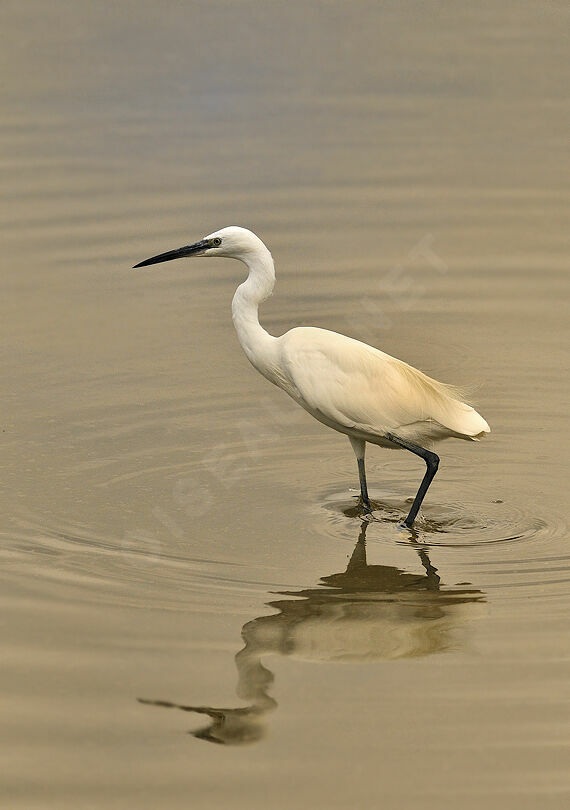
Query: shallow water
point(175, 533)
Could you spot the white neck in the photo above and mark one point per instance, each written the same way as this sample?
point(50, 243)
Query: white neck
point(258, 345)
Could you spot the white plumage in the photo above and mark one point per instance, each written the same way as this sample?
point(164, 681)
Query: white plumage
point(345, 384)
point(364, 392)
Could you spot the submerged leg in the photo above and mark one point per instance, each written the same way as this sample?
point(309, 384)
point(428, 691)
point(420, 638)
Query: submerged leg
point(432, 463)
point(359, 447)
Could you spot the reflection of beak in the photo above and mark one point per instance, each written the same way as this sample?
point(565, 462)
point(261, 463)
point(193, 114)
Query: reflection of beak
point(179, 253)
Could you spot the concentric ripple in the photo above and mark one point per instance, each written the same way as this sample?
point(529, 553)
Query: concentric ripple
point(454, 525)
point(137, 569)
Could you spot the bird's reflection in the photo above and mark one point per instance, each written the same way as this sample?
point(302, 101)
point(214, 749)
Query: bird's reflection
point(366, 612)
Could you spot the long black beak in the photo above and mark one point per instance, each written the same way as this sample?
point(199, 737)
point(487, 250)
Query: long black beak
point(179, 253)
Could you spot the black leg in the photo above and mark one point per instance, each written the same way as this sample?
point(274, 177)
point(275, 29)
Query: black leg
point(432, 463)
point(359, 447)
point(363, 487)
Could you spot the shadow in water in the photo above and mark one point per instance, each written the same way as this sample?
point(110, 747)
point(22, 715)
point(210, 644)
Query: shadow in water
point(368, 612)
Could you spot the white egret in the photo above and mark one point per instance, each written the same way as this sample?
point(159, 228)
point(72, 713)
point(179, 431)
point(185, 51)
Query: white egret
point(345, 384)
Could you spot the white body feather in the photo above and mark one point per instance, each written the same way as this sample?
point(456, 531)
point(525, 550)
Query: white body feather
point(363, 392)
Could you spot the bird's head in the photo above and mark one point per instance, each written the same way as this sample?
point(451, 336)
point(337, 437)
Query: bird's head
point(232, 242)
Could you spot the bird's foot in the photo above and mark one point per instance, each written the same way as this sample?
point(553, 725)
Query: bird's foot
point(365, 507)
point(409, 530)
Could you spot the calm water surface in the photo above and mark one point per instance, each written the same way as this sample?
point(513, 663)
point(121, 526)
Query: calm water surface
point(193, 614)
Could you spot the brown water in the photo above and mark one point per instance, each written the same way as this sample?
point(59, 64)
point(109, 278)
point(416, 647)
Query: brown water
point(175, 533)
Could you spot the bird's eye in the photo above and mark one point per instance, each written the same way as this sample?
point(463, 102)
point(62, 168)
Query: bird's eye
point(217, 241)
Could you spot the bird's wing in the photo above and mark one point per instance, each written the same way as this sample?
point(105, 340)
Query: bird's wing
point(363, 388)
